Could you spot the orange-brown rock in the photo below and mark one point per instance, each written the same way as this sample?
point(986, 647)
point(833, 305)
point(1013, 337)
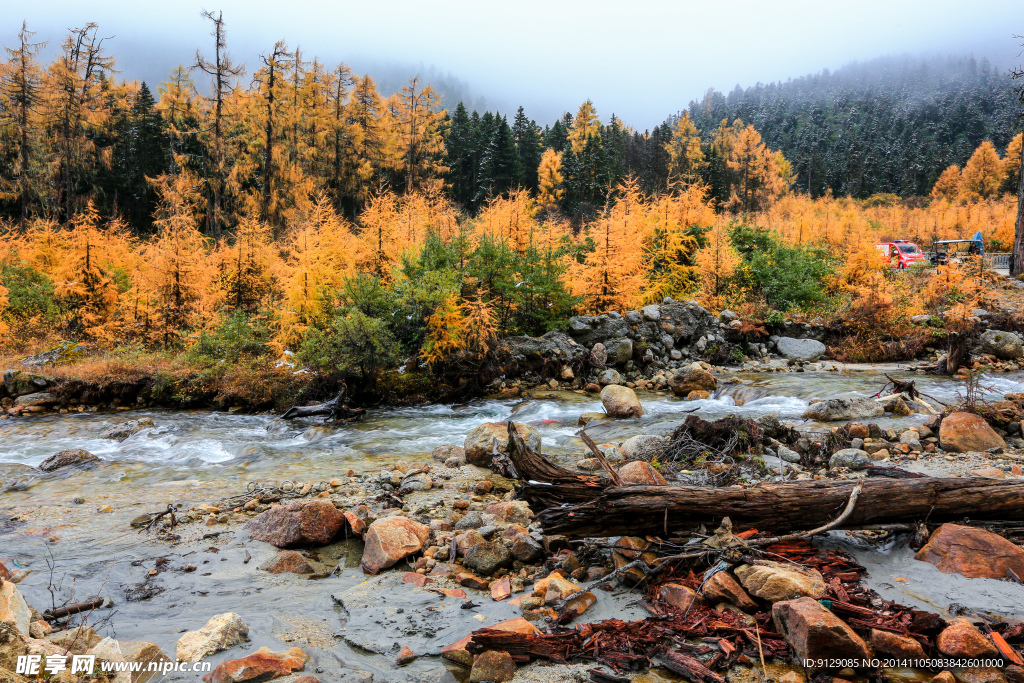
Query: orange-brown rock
point(640, 473)
point(628, 549)
point(962, 639)
point(679, 596)
point(501, 589)
point(815, 633)
point(895, 645)
point(723, 587)
point(456, 652)
point(288, 562)
point(301, 523)
point(405, 656)
point(963, 432)
point(355, 523)
point(416, 579)
point(391, 539)
point(493, 666)
point(262, 665)
point(974, 553)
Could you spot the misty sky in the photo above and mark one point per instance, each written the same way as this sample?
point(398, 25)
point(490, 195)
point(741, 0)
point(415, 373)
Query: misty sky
point(642, 60)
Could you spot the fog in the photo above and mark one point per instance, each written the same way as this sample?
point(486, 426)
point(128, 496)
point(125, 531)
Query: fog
point(640, 60)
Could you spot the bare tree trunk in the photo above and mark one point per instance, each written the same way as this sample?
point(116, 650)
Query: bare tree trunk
point(1017, 259)
point(956, 351)
point(789, 506)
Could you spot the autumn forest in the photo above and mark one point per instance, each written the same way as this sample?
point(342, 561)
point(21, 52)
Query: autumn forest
point(290, 214)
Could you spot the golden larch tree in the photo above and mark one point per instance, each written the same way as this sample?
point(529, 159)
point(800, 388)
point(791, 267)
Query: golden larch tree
point(685, 155)
point(549, 180)
point(983, 172)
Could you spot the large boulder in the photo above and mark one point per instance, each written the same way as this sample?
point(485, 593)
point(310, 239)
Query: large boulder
point(262, 665)
point(480, 442)
point(800, 349)
point(534, 353)
point(40, 398)
point(20, 382)
point(72, 456)
point(964, 432)
point(815, 633)
point(1003, 345)
point(13, 608)
point(620, 401)
point(590, 329)
point(284, 526)
point(775, 582)
point(974, 553)
point(685, 380)
point(833, 409)
point(221, 632)
point(391, 539)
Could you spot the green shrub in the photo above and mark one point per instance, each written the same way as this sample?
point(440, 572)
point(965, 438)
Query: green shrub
point(237, 337)
point(783, 276)
point(29, 292)
point(355, 343)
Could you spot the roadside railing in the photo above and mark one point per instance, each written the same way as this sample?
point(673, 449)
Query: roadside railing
point(999, 259)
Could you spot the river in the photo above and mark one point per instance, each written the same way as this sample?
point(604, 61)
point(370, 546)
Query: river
point(194, 457)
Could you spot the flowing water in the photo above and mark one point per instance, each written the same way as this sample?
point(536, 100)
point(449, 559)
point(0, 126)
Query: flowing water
point(193, 457)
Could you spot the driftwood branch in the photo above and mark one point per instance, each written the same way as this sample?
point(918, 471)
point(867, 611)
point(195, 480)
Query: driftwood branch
point(336, 409)
point(68, 610)
point(607, 466)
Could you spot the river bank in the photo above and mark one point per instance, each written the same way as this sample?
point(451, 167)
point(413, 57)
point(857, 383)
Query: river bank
point(201, 462)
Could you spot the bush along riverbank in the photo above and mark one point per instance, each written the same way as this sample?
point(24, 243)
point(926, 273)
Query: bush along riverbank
point(677, 346)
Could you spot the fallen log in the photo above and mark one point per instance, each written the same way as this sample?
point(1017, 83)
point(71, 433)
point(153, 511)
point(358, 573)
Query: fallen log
point(539, 477)
point(76, 608)
point(336, 409)
point(790, 506)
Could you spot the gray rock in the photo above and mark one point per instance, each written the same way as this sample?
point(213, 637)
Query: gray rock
point(487, 558)
point(788, 454)
point(635, 447)
point(980, 312)
point(609, 376)
point(919, 319)
point(471, 520)
point(447, 452)
point(800, 349)
point(620, 351)
point(1002, 345)
point(727, 316)
point(534, 353)
point(122, 431)
point(633, 317)
point(72, 456)
point(599, 355)
point(41, 398)
point(588, 330)
point(850, 458)
point(19, 382)
point(833, 409)
point(652, 312)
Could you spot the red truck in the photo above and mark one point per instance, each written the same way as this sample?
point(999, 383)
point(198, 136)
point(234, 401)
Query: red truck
point(901, 253)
